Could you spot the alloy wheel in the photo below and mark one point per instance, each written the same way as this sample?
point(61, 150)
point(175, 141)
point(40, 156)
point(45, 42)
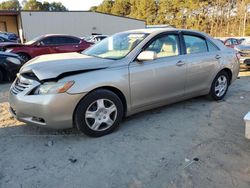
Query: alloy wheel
point(221, 86)
point(101, 115)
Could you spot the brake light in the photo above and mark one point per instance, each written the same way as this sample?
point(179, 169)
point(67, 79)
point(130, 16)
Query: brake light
point(238, 55)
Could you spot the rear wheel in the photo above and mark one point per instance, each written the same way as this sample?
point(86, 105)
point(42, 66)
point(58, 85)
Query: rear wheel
point(99, 113)
point(24, 56)
point(220, 86)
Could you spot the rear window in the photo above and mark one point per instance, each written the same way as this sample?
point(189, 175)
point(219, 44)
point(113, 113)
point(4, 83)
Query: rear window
point(195, 44)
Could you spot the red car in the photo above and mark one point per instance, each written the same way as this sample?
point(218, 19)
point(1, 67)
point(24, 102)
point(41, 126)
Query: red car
point(47, 44)
point(231, 42)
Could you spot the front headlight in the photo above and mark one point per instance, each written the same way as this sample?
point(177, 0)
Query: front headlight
point(53, 88)
point(9, 50)
point(14, 60)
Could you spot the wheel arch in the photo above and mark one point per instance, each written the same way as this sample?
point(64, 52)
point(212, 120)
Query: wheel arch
point(25, 53)
point(116, 91)
point(119, 93)
point(229, 72)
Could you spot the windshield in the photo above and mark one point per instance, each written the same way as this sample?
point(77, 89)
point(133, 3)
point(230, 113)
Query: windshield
point(33, 40)
point(116, 46)
point(246, 41)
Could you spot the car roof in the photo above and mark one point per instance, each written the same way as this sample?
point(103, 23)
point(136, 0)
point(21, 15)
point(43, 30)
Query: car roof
point(160, 30)
point(58, 35)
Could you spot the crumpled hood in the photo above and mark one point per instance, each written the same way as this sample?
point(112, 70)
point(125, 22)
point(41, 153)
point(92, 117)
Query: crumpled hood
point(51, 66)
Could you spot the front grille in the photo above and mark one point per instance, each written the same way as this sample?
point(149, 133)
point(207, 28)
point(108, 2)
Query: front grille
point(19, 86)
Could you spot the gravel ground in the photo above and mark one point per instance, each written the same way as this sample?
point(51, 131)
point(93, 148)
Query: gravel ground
point(154, 149)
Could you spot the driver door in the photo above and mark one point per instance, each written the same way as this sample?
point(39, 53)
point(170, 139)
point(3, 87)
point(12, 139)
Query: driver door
point(45, 46)
point(162, 80)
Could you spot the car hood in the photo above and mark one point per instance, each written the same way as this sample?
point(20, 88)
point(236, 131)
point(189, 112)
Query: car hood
point(55, 65)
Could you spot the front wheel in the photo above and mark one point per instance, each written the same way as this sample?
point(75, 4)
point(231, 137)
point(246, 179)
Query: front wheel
point(99, 113)
point(220, 86)
point(24, 56)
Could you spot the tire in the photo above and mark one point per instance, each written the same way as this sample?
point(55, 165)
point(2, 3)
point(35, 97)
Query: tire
point(1, 76)
point(24, 56)
point(99, 113)
point(220, 86)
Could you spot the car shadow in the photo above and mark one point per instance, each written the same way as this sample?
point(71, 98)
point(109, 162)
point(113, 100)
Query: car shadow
point(25, 130)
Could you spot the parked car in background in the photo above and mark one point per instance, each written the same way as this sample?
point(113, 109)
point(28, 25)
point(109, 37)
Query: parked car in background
point(96, 38)
point(9, 66)
point(231, 42)
point(4, 40)
point(244, 52)
point(130, 72)
point(10, 36)
point(242, 40)
point(47, 44)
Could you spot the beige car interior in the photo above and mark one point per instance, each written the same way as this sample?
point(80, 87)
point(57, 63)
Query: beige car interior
point(168, 49)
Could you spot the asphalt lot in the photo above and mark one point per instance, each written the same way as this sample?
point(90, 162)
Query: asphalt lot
point(153, 149)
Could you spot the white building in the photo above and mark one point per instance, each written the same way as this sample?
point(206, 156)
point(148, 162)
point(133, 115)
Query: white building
point(30, 24)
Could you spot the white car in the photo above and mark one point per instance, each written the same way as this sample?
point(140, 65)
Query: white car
point(96, 38)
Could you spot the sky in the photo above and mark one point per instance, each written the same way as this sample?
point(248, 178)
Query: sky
point(75, 4)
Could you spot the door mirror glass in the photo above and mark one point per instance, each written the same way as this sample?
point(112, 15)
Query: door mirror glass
point(146, 56)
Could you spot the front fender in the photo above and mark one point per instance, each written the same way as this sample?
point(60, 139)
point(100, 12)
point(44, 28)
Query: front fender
point(116, 77)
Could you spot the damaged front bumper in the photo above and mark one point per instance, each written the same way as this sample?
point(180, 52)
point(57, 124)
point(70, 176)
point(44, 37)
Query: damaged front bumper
point(51, 110)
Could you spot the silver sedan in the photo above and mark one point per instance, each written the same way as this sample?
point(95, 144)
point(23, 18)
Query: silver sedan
point(124, 74)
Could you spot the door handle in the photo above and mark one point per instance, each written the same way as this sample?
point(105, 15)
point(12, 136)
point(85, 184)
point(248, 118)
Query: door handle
point(180, 63)
point(217, 57)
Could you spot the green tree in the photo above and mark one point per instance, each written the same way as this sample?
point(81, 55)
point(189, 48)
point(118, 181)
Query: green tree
point(216, 17)
point(93, 8)
point(10, 5)
point(144, 9)
point(33, 5)
point(57, 6)
point(105, 6)
point(121, 7)
point(46, 6)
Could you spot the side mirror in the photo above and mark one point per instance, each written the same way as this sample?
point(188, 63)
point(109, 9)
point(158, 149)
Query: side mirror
point(146, 56)
point(39, 44)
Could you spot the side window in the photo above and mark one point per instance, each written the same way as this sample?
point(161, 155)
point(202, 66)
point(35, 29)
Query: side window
point(211, 47)
point(228, 42)
point(235, 42)
point(165, 46)
point(49, 41)
point(195, 44)
point(67, 40)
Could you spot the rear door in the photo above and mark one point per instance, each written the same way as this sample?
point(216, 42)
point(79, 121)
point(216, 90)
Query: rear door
point(202, 58)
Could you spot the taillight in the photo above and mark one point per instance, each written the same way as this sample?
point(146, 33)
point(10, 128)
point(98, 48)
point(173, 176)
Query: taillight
point(238, 55)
